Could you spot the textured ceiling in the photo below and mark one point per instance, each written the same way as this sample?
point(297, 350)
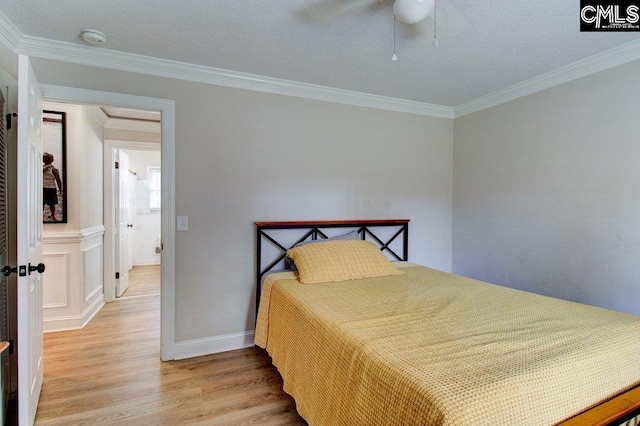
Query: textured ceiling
point(484, 46)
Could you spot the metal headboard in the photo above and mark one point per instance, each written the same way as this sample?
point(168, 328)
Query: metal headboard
point(313, 230)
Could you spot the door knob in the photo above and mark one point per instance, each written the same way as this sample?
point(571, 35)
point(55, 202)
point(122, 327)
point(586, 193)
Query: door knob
point(20, 270)
point(129, 225)
point(39, 268)
point(8, 270)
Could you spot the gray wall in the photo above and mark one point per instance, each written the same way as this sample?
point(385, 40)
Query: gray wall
point(546, 187)
point(547, 191)
point(243, 156)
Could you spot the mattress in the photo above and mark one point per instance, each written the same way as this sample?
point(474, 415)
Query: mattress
point(429, 347)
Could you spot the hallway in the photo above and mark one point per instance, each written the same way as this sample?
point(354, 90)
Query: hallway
point(143, 281)
point(84, 370)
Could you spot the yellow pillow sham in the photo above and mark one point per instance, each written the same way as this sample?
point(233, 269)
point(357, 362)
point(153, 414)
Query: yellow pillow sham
point(340, 260)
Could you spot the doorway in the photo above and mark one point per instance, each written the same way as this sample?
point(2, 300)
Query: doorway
point(167, 109)
point(135, 203)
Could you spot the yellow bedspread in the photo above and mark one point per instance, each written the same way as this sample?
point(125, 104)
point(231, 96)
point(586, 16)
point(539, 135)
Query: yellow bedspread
point(430, 347)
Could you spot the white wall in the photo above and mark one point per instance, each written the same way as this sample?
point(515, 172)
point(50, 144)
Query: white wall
point(91, 198)
point(73, 252)
point(547, 191)
point(244, 156)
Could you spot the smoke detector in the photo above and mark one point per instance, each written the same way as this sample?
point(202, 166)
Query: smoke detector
point(92, 36)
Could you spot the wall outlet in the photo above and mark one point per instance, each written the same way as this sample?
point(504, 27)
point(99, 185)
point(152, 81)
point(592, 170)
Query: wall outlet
point(182, 223)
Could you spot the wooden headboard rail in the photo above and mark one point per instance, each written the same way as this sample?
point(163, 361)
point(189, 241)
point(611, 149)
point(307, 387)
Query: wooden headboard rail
point(314, 231)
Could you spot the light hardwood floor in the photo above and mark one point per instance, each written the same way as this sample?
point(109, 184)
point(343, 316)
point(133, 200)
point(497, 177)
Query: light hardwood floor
point(143, 281)
point(110, 373)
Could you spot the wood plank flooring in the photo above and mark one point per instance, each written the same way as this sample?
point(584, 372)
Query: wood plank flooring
point(143, 281)
point(110, 373)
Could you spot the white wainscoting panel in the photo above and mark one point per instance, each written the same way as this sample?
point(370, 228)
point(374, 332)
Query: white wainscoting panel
point(55, 291)
point(92, 262)
point(93, 291)
point(73, 280)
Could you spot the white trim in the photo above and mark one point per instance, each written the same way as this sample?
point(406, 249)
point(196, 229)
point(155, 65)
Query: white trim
point(53, 325)
point(620, 55)
point(146, 262)
point(212, 345)
point(97, 114)
point(72, 237)
point(167, 108)
point(64, 260)
point(10, 36)
point(111, 59)
point(133, 145)
point(165, 68)
point(75, 322)
point(68, 237)
point(133, 125)
point(89, 296)
point(9, 80)
point(92, 310)
point(93, 231)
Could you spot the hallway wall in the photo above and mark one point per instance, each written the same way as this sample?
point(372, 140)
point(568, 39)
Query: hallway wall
point(73, 252)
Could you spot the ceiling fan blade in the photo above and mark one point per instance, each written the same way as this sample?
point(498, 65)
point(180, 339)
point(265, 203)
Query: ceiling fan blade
point(329, 11)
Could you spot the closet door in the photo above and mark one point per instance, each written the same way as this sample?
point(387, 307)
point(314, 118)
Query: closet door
point(5, 382)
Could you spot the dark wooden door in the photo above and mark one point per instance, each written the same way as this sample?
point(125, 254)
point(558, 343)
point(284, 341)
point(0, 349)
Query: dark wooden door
point(4, 260)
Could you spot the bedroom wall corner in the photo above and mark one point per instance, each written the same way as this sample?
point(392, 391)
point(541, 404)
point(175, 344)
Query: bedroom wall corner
point(546, 194)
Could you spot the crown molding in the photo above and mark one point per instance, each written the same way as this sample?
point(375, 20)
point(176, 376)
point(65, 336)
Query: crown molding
point(620, 55)
point(10, 36)
point(97, 114)
point(121, 61)
point(9, 80)
point(133, 125)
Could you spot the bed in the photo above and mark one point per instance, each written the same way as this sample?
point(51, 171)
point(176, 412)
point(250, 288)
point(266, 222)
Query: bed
point(422, 346)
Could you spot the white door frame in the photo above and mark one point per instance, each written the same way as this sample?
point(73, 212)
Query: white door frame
point(167, 108)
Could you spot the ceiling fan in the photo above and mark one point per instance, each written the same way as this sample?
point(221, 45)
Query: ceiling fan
point(417, 14)
point(406, 11)
point(412, 11)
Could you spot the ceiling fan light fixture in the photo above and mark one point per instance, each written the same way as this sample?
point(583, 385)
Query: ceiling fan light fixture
point(412, 11)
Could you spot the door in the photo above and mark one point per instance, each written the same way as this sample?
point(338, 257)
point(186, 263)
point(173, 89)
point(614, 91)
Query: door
point(124, 223)
point(29, 242)
point(5, 378)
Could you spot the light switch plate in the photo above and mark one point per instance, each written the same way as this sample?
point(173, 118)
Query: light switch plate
point(182, 223)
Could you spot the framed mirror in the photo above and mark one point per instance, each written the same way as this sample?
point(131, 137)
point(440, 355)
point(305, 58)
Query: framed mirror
point(54, 167)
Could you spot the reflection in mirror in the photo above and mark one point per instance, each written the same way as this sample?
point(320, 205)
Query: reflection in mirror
point(54, 182)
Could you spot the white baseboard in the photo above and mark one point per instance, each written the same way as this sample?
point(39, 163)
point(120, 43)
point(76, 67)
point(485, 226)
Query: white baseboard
point(92, 309)
point(145, 262)
point(212, 345)
point(76, 322)
point(52, 325)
